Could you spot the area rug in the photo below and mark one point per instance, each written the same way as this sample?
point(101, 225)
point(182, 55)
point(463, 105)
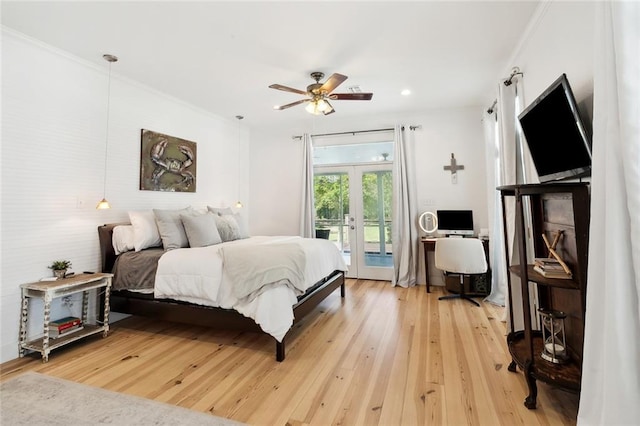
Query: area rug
point(37, 399)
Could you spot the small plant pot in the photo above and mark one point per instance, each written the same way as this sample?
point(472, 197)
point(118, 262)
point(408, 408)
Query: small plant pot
point(59, 273)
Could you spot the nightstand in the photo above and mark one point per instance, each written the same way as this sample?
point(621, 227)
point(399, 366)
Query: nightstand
point(49, 290)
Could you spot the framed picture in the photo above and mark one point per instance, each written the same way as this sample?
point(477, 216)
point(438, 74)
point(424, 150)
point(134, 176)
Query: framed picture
point(167, 163)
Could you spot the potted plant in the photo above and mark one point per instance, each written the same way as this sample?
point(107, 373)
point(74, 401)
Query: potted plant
point(60, 267)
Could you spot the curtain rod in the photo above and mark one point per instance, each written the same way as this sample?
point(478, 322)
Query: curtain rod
point(492, 107)
point(356, 131)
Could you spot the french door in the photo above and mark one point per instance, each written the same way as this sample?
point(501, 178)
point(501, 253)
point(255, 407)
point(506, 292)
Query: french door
point(353, 204)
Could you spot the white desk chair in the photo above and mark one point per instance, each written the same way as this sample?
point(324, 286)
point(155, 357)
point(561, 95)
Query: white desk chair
point(464, 256)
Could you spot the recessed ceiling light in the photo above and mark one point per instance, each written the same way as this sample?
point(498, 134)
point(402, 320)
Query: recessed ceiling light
point(405, 92)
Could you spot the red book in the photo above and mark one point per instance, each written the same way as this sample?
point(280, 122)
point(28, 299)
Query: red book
point(68, 325)
point(63, 323)
point(53, 332)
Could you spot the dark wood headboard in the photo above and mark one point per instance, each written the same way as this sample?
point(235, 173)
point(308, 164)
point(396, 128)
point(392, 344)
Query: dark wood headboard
point(107, 253)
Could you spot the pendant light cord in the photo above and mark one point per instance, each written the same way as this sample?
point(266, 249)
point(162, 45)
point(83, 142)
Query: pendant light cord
point(106, 143)
point(239, 203)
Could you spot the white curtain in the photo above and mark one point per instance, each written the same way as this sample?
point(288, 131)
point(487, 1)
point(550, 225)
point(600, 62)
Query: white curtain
point(307, 219)
point(503, 150)
point(495, 178)
point(611, 365)
point(404, 232)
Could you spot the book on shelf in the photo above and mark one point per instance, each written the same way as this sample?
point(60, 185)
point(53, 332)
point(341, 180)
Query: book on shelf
point(63, 323)
point(54, 332)
point(550, 268)
point(547, 262)
point(556, 273)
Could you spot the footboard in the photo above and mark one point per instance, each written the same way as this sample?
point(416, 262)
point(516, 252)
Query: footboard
point(186, 313)
point(310, 301)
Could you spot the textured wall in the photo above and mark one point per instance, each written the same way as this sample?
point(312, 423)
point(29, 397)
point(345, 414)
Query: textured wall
point(53, 149)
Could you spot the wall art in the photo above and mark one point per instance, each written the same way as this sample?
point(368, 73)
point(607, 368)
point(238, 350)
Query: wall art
point(167, 163)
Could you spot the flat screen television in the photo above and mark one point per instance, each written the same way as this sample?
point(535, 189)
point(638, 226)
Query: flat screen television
point(559, 144)
point(455, 222)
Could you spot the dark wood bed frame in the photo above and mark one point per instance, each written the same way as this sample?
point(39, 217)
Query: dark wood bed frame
point(170, 310)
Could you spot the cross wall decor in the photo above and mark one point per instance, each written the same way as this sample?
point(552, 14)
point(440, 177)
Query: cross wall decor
point(454, 167)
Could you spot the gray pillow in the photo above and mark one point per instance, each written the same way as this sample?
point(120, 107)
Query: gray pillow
point(171, 229)
point(201, 230)
point(227, 227)
point(220, 211)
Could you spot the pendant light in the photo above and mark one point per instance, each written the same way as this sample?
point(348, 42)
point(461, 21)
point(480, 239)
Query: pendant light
point(104, 204)
point(239, 203)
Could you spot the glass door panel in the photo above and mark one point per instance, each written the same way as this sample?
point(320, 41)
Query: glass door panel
point(376, 200)
point(353, 204)
point(331, 193)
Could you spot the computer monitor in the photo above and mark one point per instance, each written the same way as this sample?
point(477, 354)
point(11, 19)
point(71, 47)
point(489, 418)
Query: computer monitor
point(455, 222)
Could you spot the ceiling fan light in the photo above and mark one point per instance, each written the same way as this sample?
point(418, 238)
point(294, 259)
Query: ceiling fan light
point(323, 105)
point(317, 106)
point(312, 108)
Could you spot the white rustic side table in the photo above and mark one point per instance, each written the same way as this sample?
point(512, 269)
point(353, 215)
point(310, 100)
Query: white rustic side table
point(49, 290)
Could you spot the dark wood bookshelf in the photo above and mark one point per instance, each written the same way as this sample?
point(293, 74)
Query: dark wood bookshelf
point(552, 208)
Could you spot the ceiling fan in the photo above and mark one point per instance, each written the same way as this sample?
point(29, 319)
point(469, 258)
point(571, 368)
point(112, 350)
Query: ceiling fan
point(319, 94)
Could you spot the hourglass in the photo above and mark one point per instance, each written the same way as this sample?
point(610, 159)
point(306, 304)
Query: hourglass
point(555, 347)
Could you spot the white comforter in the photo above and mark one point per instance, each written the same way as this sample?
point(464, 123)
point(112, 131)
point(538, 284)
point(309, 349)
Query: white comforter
point(197, 275)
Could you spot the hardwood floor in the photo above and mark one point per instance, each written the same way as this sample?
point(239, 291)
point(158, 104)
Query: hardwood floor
point(381, 356)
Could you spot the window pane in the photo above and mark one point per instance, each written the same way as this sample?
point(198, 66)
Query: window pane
point(353, 153)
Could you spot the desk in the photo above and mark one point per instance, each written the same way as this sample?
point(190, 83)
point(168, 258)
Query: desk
point(429, 244)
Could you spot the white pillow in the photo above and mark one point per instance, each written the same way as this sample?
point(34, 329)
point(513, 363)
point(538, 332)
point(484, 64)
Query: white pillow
point(123, 239)
point(201, 230)
point(170, 227)
point(145, 230)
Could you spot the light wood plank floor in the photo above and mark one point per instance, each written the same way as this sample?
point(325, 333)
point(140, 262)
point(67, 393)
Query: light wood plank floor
point(381, 356)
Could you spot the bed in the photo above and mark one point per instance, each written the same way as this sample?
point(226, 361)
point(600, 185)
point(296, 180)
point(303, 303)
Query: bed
point(221, 285)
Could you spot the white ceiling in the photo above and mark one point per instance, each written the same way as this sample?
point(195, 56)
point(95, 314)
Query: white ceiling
point(222, 56)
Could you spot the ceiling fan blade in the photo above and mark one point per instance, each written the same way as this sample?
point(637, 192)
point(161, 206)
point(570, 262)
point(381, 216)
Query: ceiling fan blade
point(351, 96)
point(287, 89)
point(329, 110)
point(291, 104)
point(334, 81)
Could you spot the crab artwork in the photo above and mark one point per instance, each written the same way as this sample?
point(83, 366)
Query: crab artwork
point(169, 164)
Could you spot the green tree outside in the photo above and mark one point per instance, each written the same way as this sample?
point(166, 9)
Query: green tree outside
point(332, 203)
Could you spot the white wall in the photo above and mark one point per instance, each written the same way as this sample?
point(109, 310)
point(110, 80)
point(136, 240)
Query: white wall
point(560, 41)
point(53, 147)
point(276, 167)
